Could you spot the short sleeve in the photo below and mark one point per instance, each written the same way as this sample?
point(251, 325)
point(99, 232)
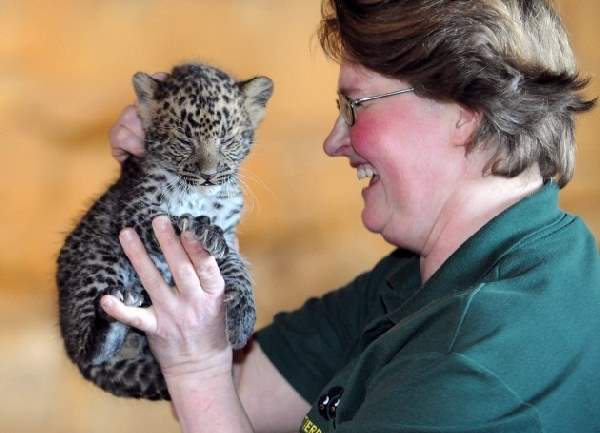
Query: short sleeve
point(308, 346)
point(439, 393)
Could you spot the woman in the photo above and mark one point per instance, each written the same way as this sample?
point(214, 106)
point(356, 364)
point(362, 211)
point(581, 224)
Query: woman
point(485, 318)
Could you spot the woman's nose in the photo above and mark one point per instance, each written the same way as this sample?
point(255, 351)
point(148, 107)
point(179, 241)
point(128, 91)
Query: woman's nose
point(338, 139)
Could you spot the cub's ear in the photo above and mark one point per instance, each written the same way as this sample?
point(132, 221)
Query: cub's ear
point(257, 92)
point(145, 88)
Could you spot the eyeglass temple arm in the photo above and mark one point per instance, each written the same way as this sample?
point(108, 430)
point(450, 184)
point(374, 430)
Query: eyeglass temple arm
point(383, 95)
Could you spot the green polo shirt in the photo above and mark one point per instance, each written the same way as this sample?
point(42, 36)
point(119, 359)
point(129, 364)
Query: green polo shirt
point(504, 337)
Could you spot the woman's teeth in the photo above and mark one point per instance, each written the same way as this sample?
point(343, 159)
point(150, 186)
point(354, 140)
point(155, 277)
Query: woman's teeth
point(365, 170)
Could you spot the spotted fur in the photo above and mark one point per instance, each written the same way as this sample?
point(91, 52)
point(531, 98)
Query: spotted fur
point(199, 125)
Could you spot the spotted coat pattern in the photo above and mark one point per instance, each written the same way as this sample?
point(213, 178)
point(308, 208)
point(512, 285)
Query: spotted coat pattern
point(199, 125)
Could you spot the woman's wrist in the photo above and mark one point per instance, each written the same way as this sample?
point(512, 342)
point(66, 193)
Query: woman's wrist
point(211, 367)
point(207, 400)
point(203, 383)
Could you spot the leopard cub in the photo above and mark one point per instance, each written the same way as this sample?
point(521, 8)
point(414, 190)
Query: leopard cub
point(199, 125)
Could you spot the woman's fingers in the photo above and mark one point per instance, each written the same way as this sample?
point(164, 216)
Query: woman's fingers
point(126, 136)
point(193, 269)
point(160, 75)
point(143, 319)
point(125, 143)
point(150, 277)
point(131, 120)
point(205, 265)
point(174, 412)
point(183, 272)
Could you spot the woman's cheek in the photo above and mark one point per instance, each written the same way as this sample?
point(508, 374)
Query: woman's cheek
point(366, 132)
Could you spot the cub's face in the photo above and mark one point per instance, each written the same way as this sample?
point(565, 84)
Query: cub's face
point(199, 123)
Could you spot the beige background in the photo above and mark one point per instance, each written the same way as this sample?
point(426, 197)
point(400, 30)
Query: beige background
point(65, 70)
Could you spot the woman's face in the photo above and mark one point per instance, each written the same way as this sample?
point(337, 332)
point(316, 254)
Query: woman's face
point(415, 147)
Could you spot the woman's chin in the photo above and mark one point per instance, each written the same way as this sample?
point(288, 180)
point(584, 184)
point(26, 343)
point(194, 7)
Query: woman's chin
point(371, 220)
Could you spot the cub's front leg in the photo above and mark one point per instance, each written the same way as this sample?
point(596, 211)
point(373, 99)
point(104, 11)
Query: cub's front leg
point(210, 236)
point(239, 301)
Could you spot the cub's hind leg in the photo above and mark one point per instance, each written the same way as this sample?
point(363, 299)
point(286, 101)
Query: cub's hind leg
point(132, 371)
point(90, 336)
point(116, 333)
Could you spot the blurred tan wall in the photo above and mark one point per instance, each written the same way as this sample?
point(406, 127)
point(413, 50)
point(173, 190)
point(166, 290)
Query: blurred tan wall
point(65, 71)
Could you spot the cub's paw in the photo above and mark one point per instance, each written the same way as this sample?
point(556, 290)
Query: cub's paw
point(210, 236)
point(240, 318)
point(128, 297)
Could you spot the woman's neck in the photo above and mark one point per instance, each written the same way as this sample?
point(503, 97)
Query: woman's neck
point(469, 208)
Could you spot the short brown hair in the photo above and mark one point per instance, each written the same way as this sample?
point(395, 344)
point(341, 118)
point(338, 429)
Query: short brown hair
point(510, 60)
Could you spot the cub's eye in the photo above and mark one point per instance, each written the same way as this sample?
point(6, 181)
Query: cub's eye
point(224, 132)
point(183, 145)
point(226, 142)
point(230, 149)
point(226, 145)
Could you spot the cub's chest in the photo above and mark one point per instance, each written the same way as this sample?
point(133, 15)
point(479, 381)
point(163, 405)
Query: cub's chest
point(223, 211)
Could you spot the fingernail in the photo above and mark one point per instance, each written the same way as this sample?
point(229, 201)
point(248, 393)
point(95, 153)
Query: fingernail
point(189, 237)
point(127, 235)
point(159, 75)
point(162, 222)
point(107, 301)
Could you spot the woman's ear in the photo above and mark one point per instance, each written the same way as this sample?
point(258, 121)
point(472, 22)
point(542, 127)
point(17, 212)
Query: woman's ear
point(466, 125)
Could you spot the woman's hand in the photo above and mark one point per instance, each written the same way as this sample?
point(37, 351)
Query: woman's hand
point(185, 325)
point(127, 136)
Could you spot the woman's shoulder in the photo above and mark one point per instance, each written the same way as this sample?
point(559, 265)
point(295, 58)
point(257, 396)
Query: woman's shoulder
point(564, 251)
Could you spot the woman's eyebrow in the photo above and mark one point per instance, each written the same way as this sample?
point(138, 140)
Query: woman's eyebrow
point(348, 90)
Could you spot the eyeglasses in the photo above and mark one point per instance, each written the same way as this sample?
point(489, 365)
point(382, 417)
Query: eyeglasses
point(348, 106)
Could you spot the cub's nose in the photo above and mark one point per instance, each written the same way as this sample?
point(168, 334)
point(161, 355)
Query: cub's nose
point(208, 178)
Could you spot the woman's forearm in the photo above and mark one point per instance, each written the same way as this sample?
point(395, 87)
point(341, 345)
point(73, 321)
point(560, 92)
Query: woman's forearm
point(208, 405)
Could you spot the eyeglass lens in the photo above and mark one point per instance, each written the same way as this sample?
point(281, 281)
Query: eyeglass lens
point(345, 110)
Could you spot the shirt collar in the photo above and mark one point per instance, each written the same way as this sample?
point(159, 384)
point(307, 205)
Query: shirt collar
point(474, 259)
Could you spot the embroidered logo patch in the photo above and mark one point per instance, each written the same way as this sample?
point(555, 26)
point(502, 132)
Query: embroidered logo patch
point(328, 403)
